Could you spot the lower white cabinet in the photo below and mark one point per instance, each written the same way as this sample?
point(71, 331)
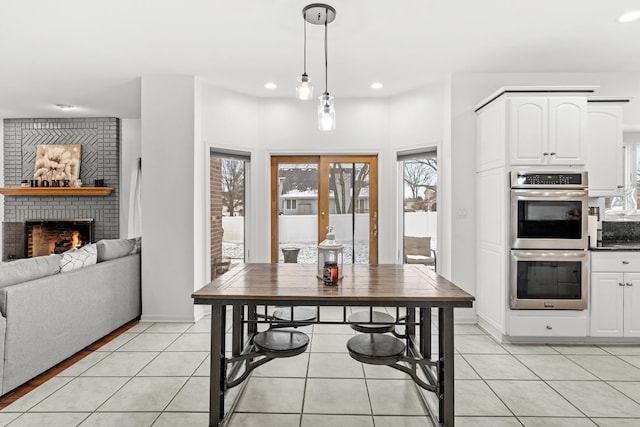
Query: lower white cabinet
point(615, 304)
point(615, 294)
point(548, 323)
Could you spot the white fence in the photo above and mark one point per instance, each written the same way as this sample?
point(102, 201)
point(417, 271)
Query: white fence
point(303, 228)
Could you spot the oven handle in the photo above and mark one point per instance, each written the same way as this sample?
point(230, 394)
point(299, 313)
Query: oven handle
point(531, 255)
point(549, 193)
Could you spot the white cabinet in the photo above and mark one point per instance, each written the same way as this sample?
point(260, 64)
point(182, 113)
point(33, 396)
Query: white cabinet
point(548, 130)
point(615, 294)
point(548, 323)
point(604, 149)
point(491, 136)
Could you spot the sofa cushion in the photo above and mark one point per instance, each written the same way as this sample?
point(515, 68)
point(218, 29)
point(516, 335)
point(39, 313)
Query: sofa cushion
point(24, 270)
point(109, 249)
point(78, 258)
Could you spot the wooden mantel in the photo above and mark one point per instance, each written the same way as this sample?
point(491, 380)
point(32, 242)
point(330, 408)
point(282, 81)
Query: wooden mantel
point(56, 191)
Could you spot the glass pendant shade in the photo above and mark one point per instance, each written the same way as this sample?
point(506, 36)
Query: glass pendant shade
point(326, 112)
point(304, 90)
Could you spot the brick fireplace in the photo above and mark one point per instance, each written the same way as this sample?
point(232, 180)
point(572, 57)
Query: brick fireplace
point(100, 140)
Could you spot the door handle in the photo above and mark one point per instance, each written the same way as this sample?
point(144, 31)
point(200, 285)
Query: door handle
point(375, 230)
point(552, 154)
point(620, 284)
point(322, 215)
point(629, 284)
point(625, 262)
point(545, 154)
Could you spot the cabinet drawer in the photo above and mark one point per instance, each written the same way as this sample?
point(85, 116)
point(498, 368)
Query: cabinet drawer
point(615, 261)
point(548, 324)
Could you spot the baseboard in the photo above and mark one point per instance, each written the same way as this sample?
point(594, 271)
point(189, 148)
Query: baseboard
point(163, 318)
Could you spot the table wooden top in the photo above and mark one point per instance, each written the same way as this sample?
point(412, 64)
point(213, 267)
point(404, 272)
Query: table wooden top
point(376, 284)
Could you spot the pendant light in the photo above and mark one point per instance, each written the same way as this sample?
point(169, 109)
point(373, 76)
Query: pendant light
point(304, 89)
point(322, 14)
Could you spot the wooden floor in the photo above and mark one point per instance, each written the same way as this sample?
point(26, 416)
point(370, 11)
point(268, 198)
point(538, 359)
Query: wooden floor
point(30, 385)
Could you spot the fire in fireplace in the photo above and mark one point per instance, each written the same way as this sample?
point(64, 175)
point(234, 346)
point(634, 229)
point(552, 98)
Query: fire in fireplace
point(54, 236)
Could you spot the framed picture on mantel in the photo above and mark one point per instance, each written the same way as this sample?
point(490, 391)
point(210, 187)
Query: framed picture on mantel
point(58, 162)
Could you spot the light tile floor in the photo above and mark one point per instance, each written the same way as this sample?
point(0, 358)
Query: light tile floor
point(157, 375)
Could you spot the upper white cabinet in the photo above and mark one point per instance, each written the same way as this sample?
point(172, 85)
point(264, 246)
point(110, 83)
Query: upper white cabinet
point(533, 126)
point(604, 148)
point(548, 130)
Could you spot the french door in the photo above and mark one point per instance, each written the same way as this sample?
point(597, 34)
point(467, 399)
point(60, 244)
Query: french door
point(311, 193)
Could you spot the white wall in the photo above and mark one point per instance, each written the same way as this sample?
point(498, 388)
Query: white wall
point(288, 126)
point(172, 230)
point(467, 90)
point(130, 151)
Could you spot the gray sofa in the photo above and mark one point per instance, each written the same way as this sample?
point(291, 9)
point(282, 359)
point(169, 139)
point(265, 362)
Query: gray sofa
point(45, 320)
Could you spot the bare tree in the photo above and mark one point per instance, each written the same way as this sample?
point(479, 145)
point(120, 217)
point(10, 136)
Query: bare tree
point(232, 184)
point(340, 181)
point(419, 173)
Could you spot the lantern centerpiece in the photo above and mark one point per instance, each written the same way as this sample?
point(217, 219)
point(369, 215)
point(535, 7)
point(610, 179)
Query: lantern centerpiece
point(330, 259)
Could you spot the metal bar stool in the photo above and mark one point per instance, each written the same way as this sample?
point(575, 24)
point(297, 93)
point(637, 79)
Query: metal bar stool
point(272, 344)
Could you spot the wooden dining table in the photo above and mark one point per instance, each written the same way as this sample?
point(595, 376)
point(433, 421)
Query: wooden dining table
point(414, 289)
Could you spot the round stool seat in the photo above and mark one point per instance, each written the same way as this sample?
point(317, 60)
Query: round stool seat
point(300, 314)
point(364, 317)
point(281, 343)
point(375, 349)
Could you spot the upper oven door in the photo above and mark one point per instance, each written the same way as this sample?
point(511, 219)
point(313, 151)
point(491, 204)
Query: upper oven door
point(549, 219)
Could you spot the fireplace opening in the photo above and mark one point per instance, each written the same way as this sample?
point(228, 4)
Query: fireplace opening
point(54, 236)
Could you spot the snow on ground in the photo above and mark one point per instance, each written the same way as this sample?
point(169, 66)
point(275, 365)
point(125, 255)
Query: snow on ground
point(308, 252)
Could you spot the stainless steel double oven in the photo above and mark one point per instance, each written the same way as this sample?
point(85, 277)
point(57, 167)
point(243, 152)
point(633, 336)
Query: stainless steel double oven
point(549, 262)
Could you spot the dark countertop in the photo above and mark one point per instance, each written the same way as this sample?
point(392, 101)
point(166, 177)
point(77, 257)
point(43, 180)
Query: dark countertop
point(618, 247)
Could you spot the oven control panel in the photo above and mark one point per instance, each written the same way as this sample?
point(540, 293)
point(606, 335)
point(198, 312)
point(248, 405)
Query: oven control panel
point(548, 179)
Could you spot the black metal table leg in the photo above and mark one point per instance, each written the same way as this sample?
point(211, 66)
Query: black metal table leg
point(237, 331)
point(446, 366)
point(218, 365)
point(425, 332)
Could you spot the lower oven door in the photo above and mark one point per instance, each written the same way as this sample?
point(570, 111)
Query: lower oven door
point(549, 280)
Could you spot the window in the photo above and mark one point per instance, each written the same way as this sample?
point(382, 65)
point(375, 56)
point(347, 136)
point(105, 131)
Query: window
point(419, 206)
point(227, 176)
point(614, 206)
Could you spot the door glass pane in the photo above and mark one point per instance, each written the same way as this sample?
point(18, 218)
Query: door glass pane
point(349, 209)
point(227, 202)
point(297, 212)
point(420, 210)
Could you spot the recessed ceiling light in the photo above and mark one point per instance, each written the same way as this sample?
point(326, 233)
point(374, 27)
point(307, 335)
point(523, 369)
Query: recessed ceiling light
point(65, 107)
point(630, 16)
point(270, 85)
point(376, 85)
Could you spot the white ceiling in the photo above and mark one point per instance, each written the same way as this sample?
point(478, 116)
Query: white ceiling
point(91, 54)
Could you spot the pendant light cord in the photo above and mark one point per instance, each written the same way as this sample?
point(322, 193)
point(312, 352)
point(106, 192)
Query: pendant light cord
point(304, 67)
point(326, 66)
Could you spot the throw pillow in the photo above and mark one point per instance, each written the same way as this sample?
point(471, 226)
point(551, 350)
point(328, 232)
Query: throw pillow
point(23, 270)
point(78, 258)
point(109, 249)
point(137, 246)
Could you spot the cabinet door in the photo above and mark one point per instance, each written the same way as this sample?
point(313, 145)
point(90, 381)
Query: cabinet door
point(491, 146)
point(607, 295)
point(604, 150)
point(567, 130)
point(632, 305)
point(528, 130)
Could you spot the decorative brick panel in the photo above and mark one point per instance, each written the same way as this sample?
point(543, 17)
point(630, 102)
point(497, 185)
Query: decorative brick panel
point(100, 140)
point(215, 169)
